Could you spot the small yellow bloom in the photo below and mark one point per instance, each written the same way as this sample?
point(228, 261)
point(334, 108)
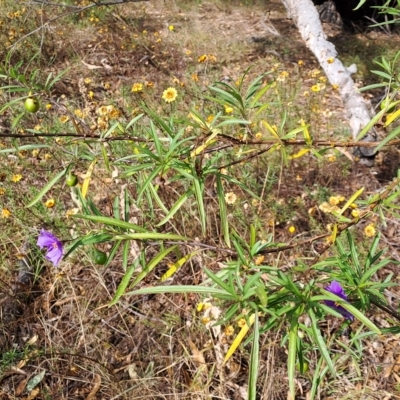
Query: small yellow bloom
point(202, 58)
point(149, 84)
point(334, 200)
point(5, 213)
point(47, 156)
point(228, 110)
point(331, 158)
point(315, 88)
point(335, 86)
point(314, 73)
point(330, 60)
point(206, 306)
point(353, 205)
point(229, 330)
point(16, 178)
point(78, 113)
point(355, 213)
point(292, 229)
point(206, 320)
point(2, 191)
point(137, 87)
point(370, 230)
point(64, 119)
point(48, 106)
point(230, 198)
point(282, 76)
point(171, 28)
point(170, 95)
point(87, 81)
point(259, 260)
point(259, 135)
point(200, 307)
point(50, 203)
point(306, 93)
point(188, 52)
point(71, 212)
point(300, 62)
point(241, 323)
point(90, 94)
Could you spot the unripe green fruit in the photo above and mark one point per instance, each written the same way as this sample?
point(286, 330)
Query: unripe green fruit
point(99, 257)
point(71, 180)
point(31, 104)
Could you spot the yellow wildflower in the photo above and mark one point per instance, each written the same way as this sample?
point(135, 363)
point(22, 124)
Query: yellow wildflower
point(202, 58)
point(78, 113)
point(282, 76)
point(48, 106)
point(87, 81)
point(242, 322)
point(64, 119)
point(300, 62)
point(200, 307)
point(330, 60)
point(228, 110)
point(2, 191)
point(355, 213)
point(370, 230)
point(315, 88)
point(90, 94)
point(16, 177)
point(230, 198)
point(259, 135)
point(5, 213)
point(137, 87)
point(170, 95)
point(171, 28)
point(334, 200)
point(292, 229)
point(50, 203)
point(229, 330)
point(259, 260)
point(149, 84)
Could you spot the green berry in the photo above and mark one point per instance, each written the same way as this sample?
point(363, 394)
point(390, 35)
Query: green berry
point(71, 180)
point(99, 257)
point(31, 105)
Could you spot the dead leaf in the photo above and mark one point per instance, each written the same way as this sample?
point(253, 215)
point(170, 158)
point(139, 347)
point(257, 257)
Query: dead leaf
point(96, 387)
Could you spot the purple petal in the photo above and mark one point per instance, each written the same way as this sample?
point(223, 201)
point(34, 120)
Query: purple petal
point(54, 255)
point(341, 310)
point(45, 239)
point(336, 288)
point(52, 244)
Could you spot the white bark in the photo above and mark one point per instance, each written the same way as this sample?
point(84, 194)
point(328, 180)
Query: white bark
point(307, 20)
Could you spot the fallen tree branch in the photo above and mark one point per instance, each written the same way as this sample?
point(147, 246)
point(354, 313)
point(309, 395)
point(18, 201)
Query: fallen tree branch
point(307, 20)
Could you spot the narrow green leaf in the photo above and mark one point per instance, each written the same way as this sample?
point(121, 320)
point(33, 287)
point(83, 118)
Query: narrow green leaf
point(151, 265)
point(176, 207)
point(292, 351)
point(320, 342)
point(254, 360)
point(111, 222)
point(124, 283)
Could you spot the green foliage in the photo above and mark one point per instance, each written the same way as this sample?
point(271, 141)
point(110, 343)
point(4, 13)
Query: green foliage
point(180, 173)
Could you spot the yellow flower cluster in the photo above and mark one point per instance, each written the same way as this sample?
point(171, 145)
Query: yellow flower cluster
point(332, 205)
point(207, 57)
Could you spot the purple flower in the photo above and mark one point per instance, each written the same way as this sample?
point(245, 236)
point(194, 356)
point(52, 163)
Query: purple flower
point(53, 246)
point(337, 289)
